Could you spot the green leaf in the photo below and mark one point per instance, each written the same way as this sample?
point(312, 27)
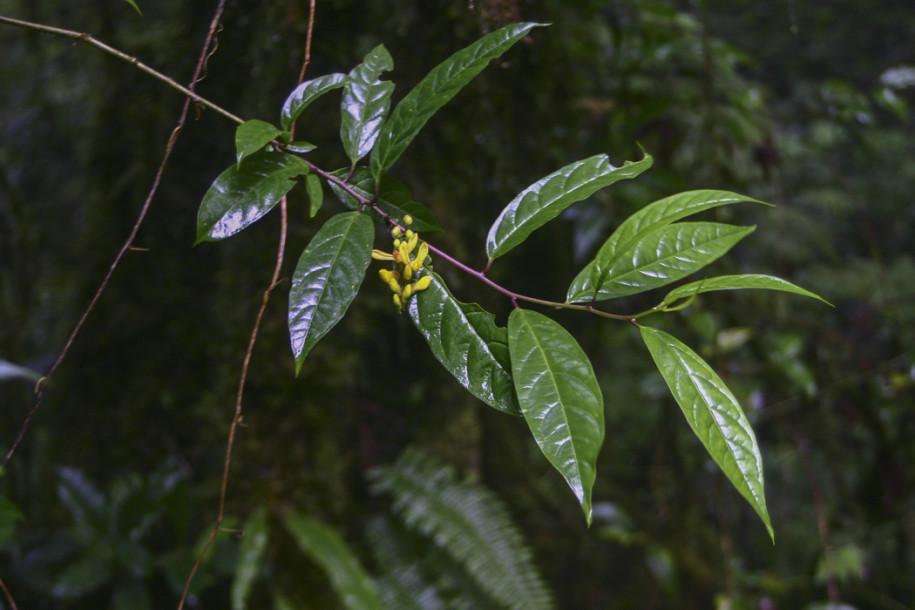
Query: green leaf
point(365, 103)
point(735, 282)
point(315, 194)
point(435, 90)
point(134, 5)
point(82, 576)
point(469, 523)
point(281, 602)
point(9, 515)
point(647, 220)
point(305, 94)
point(299, 147)
point(466, 340)
point(85, 502)
point(9, 370)
point(714, 415)
point(667, 255)
point(240, 196)
point(253, 135)
point(394, 198)
point(250, 558)
point(327, 278)
point(548, 197)
point(348, 578)
point(559, 397)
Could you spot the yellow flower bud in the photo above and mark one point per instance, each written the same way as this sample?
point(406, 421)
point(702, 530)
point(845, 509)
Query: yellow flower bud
point(421, 257)
point(378, 255)
point(407, 291)
point(404, 253)
point(397, 243)
point(420, 284)
point(407, 271)
point(413, 240)
point(384, 274)
point(398, 303)
point(408, 220)
point(396, 232)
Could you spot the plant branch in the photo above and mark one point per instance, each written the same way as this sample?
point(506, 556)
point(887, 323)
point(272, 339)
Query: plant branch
point(237, 415)
point(128, 243)
point(87, 38)
point(9, 596)
point(480, 275)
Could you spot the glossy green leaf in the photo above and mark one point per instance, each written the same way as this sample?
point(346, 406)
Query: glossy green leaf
point(251, 136)
point(327, 278)
point(299, 147)
point(250, 558)
point(736, 282)
point(714, 415)
point(647, 220)
point(667, 255)
point(305, 94)
point(548, 197)
point(394, 198)
point(466, 340)
point(559, 397)
point(315, 194)
point(365, 103)
point(349, 579)
point(240, 196)
point(435, 90)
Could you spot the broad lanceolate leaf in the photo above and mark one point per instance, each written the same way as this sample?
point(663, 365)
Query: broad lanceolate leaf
point(305, 94)
point(559, 397)
point(315, 194)
point(647, 220)
point(366, 100)
point(435, 90)
point(347, 576)
point(736, 282)
point(250, 558)
point(714, 415)
point(327, 278)
point(548, 197)
point(393, 198)
point(253, 135)
point(668, 254)
point(466, 340)
point(241, 195)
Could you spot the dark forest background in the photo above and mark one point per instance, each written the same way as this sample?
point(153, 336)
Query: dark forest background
point(802, 104)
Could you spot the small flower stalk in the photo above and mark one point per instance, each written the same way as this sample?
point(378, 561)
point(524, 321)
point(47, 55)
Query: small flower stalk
point(407, 261)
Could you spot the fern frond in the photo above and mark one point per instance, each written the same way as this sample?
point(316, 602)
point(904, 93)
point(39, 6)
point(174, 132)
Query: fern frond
point(420, 575)
point(469, 523)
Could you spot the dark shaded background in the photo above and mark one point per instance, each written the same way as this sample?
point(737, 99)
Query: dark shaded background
point(791, 102)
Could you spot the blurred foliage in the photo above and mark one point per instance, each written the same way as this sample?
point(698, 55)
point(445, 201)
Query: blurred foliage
point(805, 105)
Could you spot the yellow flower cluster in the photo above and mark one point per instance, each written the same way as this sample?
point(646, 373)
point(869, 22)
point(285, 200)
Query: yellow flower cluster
point(405, 267)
